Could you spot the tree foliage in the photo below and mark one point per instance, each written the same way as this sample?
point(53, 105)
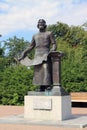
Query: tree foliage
point(14, 47)
point(73, 42)
point(73, 35)
point(15, 82)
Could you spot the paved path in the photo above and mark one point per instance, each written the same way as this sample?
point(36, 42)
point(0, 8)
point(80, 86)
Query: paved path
point(17, 110)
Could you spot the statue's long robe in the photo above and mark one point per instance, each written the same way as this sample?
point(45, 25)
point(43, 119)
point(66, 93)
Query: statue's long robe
point(42, 63)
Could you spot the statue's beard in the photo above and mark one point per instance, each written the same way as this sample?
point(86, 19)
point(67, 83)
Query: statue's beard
point(41, 27)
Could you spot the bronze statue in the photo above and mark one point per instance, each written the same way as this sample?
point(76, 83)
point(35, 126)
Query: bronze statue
point(42, 42)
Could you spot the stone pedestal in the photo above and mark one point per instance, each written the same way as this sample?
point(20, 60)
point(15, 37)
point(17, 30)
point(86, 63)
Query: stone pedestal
point(51, 108)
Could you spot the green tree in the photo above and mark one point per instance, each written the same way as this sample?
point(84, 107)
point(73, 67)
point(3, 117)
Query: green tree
point(1, 52)
point(73, 42)
point(73, 35)
point(14, 47)
point(15, 80)
point(59, 29)
point(2, 61)
point(76, 36)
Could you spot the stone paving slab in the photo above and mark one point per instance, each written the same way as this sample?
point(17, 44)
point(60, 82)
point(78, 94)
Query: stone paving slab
point(16, 111)
point(76, 121)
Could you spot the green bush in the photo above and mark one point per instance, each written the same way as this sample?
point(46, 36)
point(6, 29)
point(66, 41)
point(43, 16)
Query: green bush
point(15, 82)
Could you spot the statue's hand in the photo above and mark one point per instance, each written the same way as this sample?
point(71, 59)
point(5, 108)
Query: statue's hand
point(16, 59)
point(20, 58)
point(53, 47)
point(51, 50)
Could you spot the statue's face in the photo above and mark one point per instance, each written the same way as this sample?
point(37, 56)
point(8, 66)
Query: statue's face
point(41, 25)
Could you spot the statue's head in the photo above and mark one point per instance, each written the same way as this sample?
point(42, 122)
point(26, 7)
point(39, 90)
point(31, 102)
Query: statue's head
point(41, 24)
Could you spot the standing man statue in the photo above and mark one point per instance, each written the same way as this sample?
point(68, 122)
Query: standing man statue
point(42, 42)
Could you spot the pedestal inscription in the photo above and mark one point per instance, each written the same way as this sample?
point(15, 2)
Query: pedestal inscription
point(42, 104)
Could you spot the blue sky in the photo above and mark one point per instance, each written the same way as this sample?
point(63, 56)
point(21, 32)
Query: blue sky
point(19, 17)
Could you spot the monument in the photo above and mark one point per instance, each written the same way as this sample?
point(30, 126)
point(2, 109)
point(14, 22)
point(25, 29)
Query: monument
point(51, 102)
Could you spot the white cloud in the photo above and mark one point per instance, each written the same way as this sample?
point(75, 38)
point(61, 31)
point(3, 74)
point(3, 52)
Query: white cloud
point(3, 7)
point(24, 14)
